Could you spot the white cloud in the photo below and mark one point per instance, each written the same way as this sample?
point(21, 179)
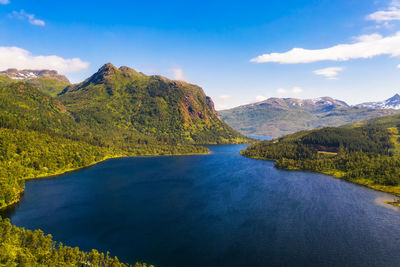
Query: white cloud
point(4, 2)
point(225, 97)
point(366, 46)
point(297, 90)
point(293, 91)
point(15, 57)
point(178, 74)
point(383, 16)
point(22, 15)
point(282, 91)
point(329, 73)
point(260, 98)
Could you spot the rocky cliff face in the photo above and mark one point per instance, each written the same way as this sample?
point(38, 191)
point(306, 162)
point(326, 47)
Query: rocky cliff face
point(211, 105)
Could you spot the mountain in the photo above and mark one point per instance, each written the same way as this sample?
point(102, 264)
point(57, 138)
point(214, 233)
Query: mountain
point(391, 103)
point(366, 153)
point(48, 80)
point(122, 99)
point(114, 113)
point(280, 116)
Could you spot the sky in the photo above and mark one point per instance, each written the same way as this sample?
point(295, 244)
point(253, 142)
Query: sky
point(239, 52)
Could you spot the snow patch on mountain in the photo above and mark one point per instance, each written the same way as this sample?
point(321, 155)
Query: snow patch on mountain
point(391, 103)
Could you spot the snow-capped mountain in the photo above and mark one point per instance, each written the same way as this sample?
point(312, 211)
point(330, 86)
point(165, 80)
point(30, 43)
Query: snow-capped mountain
point(33, 74)
point(391, 103)
point(316, 104)
point(280, 116)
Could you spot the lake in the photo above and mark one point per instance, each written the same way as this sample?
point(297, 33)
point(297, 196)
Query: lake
point(219, 209)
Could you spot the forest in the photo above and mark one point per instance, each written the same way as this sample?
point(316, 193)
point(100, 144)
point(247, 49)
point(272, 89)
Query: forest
point(114, 113)
point(20, 247)
point(364, 153)
point(38, 138)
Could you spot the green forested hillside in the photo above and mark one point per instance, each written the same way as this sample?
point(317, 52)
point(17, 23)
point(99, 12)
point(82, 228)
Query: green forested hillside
point(123, 100)
point(41, 136)
point(49, 85)
point(49, 81)
point(116, 112)
point(20, 247)
point(366, 153)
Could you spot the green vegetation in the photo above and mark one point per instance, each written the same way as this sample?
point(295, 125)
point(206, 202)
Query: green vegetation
point(42, 136)
point(280, 116)
point(114, 113)
point(121, 101)
point(365, 153)
point(49, 81)
point(20, 247)
point(51, 86)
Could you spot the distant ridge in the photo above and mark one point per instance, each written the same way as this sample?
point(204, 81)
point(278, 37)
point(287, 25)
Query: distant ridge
point(32, 74)
point(280, 116)
point(391, 103)
point(48, 80)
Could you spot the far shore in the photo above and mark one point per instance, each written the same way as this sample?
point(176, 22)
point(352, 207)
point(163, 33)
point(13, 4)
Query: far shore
point(392, 202)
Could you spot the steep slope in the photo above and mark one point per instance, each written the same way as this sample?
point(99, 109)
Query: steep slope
point(116, 112)
point(116, 100)
point(48, 80)
point(280, 116)
point(39, 137)
point(366, 153)
point(391, 103)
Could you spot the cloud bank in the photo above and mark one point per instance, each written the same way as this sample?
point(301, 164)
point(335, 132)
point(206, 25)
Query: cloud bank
point(22, 15)
point(329, 73)
point(15, 57)
point(366, 46)
point(382, 16)
point(4, 2)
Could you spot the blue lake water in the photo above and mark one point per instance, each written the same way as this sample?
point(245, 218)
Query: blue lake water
point(213, 210)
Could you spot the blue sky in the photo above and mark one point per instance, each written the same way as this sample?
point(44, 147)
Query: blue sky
point(238, 51)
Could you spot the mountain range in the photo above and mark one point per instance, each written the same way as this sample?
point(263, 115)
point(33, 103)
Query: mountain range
point(280, 116)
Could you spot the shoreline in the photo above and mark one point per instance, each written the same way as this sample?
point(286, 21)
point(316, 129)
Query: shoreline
point(387, 202)
point(65, 171)
point(52, 175)
point(360, 182)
